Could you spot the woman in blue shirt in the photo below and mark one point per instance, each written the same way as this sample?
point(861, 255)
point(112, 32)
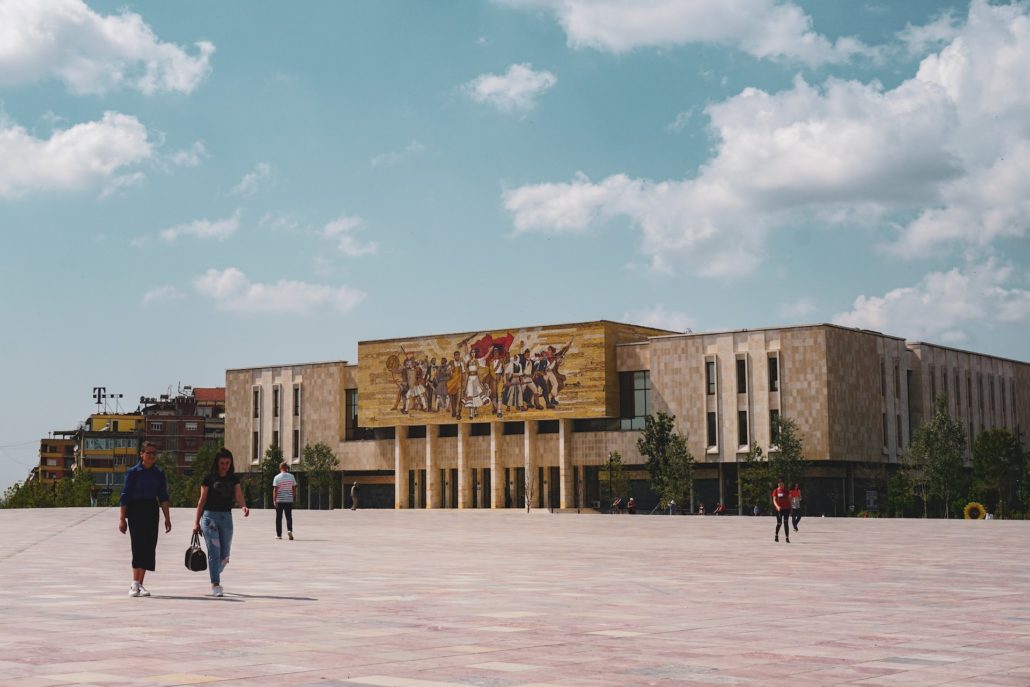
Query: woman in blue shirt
point(145, 489)
point(214, 514)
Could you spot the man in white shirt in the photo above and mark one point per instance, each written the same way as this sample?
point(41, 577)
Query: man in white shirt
point(284, 490)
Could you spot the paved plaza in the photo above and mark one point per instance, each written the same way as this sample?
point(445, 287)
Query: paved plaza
point(506, 599)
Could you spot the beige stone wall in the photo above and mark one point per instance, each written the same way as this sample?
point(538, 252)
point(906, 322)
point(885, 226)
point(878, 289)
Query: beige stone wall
point(856, 403)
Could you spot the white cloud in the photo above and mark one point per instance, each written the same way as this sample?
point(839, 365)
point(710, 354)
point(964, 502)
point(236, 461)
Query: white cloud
point(253, 180)
point(122, 182)
point(661, 318)
point(190, 157)
point(395, 157)
point(920, 39)
point(283, 223)
point(516, 90)
point(92, 53)
point(949, 147)
point(342, 231)
point(766, 29)
point(944, 306)
point(220, 229)
point(161, 294)
point(83, 156)
point(232, 291)
point(681, 120)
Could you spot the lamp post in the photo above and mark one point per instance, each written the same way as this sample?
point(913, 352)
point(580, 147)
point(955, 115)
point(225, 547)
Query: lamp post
point(610, 480)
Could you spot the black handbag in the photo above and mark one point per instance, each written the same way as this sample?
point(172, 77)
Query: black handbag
point(196, 559)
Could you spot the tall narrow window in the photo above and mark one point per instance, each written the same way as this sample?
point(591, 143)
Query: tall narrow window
point(990, 388)
point(742, 437)
point(296, 401)
point(710, 377)
point(885, 431)
point(713, 436)
point(897, 380)
point(774, 426)
point(275, 402)
point(257, 402)
point(944, 378)
point(741, 376)
point(774, 374)
point(1004, 405)
point(255, 447)
point(970, 435)
point(634, 398)
point(933, 385)
point(296, 443)
point(883, 377)
point(275, 437)
point(958, 393)
point(901, 443)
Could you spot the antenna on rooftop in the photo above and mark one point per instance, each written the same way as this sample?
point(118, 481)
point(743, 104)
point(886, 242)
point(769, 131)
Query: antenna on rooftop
point(115, 397)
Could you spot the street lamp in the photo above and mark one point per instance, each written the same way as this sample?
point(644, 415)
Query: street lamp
point(609, 479)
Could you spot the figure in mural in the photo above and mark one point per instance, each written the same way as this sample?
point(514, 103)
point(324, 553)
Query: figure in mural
point(454, 385)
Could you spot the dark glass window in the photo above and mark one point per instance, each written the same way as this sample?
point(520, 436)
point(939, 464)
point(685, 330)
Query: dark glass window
point(257, 402)
point(480, 429)
point(448, 431)
point(741, 376)
point(296, 401)
point(742, 437)
point(713, 434)
point(710, 377)
point(296, 443)
point(255, 447)
point(275, 437)
point(547, 427)
point(901, 444)
point(885, 430)
point(511, 428)
point(417, 432)
point(774, 426)
point(275, 402)
point(774, 374)
point(352, 431)
point(634, 398)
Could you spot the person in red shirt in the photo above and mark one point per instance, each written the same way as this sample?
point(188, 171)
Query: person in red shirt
point(781, 502)
point(795, 505)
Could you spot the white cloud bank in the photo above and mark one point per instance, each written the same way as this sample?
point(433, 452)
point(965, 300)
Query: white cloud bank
point(514, 91)
point(766, 29)
point(949, 147)
point(943, 306)
point(91, 53)
point(342, 230)
point(231, 290)
point(660, 318)
point(83, 156)
point(220, 229)
point(253, 180)
point(161, 294)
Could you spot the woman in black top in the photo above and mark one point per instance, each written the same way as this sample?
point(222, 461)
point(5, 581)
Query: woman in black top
point(145, 490)
point(214, 514)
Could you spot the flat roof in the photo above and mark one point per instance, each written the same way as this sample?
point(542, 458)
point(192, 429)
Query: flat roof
point(962, 350)
point(532, 326)
point(770, 329)
point(266, 367)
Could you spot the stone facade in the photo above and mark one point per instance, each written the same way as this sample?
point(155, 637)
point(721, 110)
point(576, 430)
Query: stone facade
point(855, 395)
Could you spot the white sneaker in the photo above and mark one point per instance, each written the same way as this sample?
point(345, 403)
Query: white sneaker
point(143, 591)
point(290, 535)
point(134, 590)
point(217, 591)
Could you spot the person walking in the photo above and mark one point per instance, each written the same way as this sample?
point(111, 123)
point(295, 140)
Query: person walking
point(795, 505)
point(145, 491)
point(214, 514)
point(354, 496)
point(284, 489)
point(781, 502)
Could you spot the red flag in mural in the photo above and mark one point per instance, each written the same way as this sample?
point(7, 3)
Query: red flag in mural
point(499, 346)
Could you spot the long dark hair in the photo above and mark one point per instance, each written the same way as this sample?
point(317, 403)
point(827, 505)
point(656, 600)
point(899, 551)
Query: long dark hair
point(223, 453)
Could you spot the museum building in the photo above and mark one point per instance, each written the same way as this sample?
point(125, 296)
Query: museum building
point(493, 418)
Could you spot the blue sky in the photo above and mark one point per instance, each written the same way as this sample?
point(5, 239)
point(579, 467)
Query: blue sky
point(186, 187)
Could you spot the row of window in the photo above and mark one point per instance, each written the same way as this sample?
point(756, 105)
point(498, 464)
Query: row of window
point(256, 448)
point(773, 364)
point(96, 444)
point(276, 401)
point(187, 426)
point(1005, 398)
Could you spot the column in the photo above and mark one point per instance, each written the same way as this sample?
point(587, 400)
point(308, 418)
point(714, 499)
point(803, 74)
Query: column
point(497, 486)
point(432, 469)
point(529, 455)
point(564, 464)
point(400, 467)
point(463, 465)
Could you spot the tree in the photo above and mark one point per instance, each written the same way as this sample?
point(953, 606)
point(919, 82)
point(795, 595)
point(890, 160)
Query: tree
point(755, 480)
point(668, 461)
point(613, 474)
point(319, 463)
point(998, 465)
point(900, 494)
point(788, 460)
point(177, 482)
point(268, 470)
point(938, 445)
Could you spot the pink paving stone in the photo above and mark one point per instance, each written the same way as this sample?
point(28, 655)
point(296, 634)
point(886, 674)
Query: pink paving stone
point(426, 597)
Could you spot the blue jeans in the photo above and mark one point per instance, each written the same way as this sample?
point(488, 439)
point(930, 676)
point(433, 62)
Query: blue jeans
point(216, 527)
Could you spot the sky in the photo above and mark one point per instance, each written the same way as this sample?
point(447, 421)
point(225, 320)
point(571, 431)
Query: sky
point(189, 187)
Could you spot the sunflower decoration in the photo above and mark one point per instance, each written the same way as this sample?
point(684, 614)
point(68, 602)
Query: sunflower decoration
point(974, 511)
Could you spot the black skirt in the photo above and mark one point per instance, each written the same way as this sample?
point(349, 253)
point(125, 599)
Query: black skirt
point(143, 520)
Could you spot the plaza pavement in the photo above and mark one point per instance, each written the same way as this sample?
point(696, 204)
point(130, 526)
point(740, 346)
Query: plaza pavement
point(506, 599)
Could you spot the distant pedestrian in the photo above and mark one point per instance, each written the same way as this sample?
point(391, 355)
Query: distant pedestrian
point(720, 508)
point(795, 505)
point(284, 489)
point(144, 493)
point(631, 506)
point(781, 502)
point(617, 505)
point(756, 511)
point(354, 496)
point(701, 509)
point(214, 515)
point(93, 491)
